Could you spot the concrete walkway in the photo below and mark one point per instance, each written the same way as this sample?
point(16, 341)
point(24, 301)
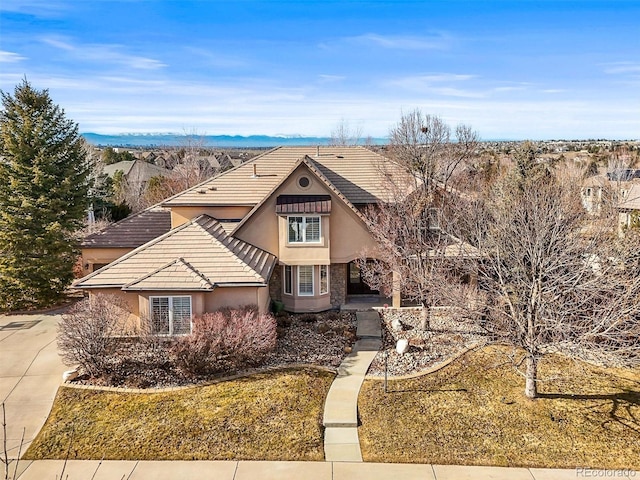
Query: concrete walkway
point(341, 442)
point(30, 374)
point(252, 470)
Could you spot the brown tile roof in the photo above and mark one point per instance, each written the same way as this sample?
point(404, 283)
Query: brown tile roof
point(199, 253)
point(303, 204)
point(354, 171)
point(132, 231)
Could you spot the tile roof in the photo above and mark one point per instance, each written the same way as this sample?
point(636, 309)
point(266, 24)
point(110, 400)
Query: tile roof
point(199, 254)
point(303, 204)
point(355, 171)
point(132, 231)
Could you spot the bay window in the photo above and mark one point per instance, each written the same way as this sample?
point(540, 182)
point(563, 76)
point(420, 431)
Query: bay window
point(304, 229)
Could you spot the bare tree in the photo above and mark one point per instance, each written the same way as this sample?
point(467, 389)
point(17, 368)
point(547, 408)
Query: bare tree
point(413, 225)
point(556, 281)
point(343, 135)
point(425, 147)
point(88, 332)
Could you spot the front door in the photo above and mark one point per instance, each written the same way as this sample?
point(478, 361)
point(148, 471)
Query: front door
point(355, 284)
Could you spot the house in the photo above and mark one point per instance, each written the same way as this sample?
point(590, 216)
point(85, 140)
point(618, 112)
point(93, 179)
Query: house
point(287, 225)
point(136, 172)
point(629, 208)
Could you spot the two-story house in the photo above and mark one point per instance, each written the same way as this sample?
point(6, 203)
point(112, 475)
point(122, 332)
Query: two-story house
point(287, 225)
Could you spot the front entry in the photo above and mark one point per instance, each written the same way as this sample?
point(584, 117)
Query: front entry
point(355, 284)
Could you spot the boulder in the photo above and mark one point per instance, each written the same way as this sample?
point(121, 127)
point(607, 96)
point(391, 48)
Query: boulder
point(402, 346)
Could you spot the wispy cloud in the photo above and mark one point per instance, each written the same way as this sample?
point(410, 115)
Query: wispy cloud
point(403, 42)
point(10, 57)
point(325, 78)
point(445, 84)
point(622, 68)
point(101, 53)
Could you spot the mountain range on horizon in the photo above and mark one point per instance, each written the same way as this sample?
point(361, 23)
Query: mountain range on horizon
point(236, 141)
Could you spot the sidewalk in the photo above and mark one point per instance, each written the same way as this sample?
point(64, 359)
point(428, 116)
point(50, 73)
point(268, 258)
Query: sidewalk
point(251, 470)
point(341, 442)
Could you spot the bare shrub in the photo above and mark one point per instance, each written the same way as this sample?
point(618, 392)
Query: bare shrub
point(226, 339)
point(87, 333)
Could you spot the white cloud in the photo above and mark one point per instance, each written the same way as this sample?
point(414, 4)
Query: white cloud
point(622, 68)
point(324, 78)
point(403, 42)
point(10, 57)
point(101, 53)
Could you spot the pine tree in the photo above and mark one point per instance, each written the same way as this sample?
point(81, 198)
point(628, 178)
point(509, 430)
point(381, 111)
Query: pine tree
point(43, 198)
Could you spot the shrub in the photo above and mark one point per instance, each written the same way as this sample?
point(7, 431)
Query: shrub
point(87, 333)
point(226, 339)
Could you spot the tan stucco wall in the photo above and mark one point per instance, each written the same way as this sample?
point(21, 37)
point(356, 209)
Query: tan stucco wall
point(91, 256)
point(130, 324)
point(237, 296)
point(345, 235)
point(181, 215)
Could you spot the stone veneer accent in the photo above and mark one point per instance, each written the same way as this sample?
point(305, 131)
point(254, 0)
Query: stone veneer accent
point(338, 284)
point(275, 283)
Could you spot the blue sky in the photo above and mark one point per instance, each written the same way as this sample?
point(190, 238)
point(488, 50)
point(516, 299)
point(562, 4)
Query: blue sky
point(510, 69)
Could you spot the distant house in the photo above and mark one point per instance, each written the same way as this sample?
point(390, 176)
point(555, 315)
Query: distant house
point(629, 207)
point(136, 171)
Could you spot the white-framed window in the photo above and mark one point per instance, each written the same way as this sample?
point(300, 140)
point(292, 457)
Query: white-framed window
point(304, 229)
point(170, 315)
point(287, 280)
point(305, 280)
point(324, 279)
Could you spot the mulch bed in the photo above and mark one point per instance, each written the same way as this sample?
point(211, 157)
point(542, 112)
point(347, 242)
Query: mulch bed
point(321, 339)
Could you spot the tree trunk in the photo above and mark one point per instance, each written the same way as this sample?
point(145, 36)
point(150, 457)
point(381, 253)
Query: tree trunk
point(531, 376)
point(424, 317)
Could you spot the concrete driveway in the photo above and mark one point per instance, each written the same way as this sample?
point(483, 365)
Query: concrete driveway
point(30, 374)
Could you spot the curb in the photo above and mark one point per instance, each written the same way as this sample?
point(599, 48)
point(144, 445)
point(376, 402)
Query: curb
point(244, 374)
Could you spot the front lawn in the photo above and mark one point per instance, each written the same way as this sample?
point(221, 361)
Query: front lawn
point(474, 412)
point(267, 416)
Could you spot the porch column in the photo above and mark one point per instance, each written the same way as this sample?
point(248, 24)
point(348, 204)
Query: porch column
point(396, 298)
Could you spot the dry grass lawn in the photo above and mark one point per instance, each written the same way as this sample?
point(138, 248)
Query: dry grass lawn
point(270, 416)
point(474, 412)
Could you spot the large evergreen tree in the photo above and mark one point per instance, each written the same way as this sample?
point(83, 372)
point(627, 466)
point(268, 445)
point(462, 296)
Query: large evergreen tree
point(43, 198)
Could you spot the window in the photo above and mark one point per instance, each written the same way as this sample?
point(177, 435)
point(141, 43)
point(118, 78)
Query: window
point(304, 182)
point(305, 280)
point(288, 280)
point(170, 315)
point(324, 279)
point(304, 229)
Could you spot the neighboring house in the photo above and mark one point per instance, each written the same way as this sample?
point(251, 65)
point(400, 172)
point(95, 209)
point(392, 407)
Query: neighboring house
point(136, 171)
point(286, 225)
point(594, 191)
point(629, 207)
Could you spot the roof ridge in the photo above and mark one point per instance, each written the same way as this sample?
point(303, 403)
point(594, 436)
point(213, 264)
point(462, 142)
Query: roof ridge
point(190, 270)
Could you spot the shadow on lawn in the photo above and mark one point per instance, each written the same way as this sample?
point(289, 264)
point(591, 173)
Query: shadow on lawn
point(623, 401)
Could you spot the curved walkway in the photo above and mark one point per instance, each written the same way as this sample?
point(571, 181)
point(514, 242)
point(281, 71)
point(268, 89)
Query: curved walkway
point(341, 442)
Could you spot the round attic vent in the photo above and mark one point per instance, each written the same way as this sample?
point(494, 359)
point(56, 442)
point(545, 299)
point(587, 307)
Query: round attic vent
point(304, 182)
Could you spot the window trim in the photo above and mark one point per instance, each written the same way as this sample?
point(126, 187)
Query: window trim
point(288, 283)
point(327, 270)
point(313, 286)
point(170, 305)
point(304, 230)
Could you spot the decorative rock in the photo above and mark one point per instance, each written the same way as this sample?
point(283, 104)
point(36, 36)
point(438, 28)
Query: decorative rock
point(396, 324)
point(402, 346)
point(70, 375)
point(348, 350)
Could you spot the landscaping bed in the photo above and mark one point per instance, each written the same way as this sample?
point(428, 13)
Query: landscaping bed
point(474, 412)
point(322, 339)
point(445, 338)
point(267, 416)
